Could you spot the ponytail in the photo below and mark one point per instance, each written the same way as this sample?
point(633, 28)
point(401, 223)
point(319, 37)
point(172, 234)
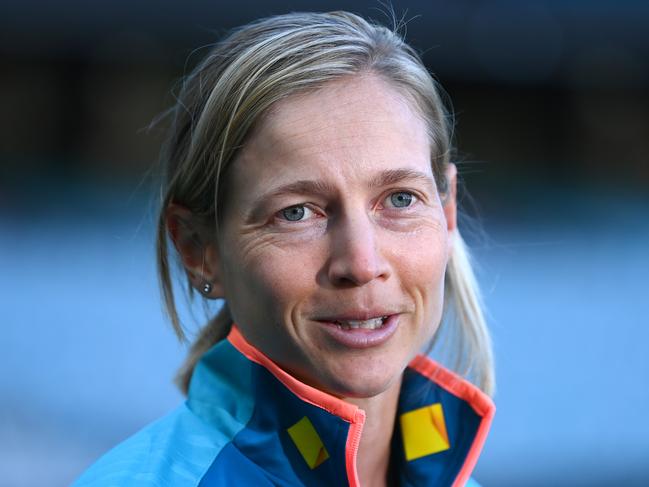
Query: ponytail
point(466, 338)
point(215, 331)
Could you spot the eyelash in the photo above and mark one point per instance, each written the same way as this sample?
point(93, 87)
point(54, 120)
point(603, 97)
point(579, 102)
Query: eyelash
point(281, 213)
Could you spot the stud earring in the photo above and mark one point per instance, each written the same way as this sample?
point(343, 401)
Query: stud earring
point(207, 288)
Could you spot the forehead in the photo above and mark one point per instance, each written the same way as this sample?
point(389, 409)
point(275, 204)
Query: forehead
point(344, 131)
point(345, 113)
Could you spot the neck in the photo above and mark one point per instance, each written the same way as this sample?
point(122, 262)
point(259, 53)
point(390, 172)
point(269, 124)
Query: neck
point(373, 458)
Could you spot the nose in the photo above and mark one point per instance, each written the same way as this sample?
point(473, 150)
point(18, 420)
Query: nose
point(355, 256)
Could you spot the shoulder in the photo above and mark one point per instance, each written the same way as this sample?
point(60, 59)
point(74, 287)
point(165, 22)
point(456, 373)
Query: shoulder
point(174, 450)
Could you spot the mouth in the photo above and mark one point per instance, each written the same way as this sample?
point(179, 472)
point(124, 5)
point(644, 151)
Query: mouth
point(361, 331)
point(371, 324)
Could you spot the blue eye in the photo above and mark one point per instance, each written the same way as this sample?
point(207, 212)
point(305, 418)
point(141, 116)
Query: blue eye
point(294, 213)
point(401, 199)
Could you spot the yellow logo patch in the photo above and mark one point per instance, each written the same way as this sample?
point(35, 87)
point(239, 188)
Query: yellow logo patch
point(424, 431)
point(308, 442)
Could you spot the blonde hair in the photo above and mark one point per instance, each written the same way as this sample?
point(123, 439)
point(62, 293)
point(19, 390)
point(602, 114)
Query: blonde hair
point(241, 77)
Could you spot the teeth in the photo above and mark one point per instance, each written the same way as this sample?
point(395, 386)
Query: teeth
point(372, 324)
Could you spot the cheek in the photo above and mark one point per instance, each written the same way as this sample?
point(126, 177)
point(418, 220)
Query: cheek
point(421, 268)
point(422, 256)
point(275, 278)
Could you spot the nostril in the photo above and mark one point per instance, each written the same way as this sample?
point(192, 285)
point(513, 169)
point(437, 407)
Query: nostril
point(356, 271)
point(355, 258)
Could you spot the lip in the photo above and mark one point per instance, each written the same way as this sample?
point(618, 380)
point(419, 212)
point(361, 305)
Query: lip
point(360, 338)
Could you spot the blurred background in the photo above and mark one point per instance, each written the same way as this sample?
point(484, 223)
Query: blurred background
point(552, 114)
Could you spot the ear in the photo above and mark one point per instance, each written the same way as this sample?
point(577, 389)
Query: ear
point(450, 199)
point(197, 249)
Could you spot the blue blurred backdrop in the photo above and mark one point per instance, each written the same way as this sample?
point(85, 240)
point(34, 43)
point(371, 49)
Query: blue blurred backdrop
point(553, 131)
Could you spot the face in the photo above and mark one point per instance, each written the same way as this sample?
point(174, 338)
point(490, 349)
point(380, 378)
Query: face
point(334, 241)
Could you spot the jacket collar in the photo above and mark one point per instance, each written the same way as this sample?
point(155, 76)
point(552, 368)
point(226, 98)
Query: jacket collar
point(442, 423)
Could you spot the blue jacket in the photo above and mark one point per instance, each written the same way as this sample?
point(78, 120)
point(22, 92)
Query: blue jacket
point(247, 422)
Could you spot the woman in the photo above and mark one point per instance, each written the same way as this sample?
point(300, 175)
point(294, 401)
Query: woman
point(309, 186)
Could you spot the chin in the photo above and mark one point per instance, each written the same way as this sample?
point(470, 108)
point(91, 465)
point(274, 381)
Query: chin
point(362, 383)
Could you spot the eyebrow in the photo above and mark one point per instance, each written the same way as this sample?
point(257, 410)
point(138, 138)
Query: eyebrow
point(324, 188)
point(393, 176)
point(303, 186)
